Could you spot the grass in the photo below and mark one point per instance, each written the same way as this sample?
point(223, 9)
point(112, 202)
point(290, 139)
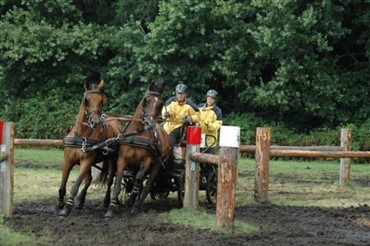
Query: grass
point(203, 220)
point(39, 157)
point(291, 183)
point(306, 183)
point(11, 238)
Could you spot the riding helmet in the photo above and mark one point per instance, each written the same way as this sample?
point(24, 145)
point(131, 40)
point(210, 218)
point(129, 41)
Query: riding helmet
point(181, 88)
point(212, 93)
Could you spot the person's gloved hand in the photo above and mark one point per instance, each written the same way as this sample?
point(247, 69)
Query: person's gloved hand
point(211, 126)
point(166, 114)
point(188, 119)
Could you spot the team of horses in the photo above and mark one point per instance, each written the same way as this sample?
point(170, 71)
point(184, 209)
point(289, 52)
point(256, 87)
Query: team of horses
point(141, 145)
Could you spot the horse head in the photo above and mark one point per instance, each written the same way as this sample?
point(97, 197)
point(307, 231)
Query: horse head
point(93, 102)
point(152, 104)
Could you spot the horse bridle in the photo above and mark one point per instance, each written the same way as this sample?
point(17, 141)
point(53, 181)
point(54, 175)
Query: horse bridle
point(149, 119)
point(89, 113)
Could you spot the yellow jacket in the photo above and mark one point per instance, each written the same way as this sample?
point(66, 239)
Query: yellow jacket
point(211, 122)
point(178, 111)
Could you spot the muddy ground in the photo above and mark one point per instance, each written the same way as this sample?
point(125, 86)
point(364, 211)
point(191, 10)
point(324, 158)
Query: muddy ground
point(278, 225)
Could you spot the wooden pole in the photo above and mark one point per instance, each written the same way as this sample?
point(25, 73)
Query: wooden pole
point(320, 154)
point(252, 148)
point(7, 170)
point(193, 140)
point(226, 186)
point(38, 142)
point(204, 158)
point(192, 168)
point(345, 163)
point(227, 175)
point(261, 186)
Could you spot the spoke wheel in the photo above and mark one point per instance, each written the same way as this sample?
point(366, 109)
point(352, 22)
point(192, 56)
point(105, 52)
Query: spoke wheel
point(211, 187)
point(180, 181)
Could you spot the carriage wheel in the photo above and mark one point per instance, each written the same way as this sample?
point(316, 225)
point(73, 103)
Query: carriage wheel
point(211, 187)
point(124, 193)
point(160, 195)
point(126, 188)
point(157, 190)
point(180, 182)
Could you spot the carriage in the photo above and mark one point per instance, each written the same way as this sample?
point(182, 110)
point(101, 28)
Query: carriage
point(171, 177)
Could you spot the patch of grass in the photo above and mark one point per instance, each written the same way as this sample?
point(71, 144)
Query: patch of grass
point(11, 238)
point(203, 220)
point(39, 157)
point(306, 183)
point(38, 184)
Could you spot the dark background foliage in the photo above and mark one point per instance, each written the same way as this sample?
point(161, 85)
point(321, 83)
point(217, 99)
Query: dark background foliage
point(300, 67)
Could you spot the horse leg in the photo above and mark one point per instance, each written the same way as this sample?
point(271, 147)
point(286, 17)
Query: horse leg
point(112, 171)
point(121, 166)
point(82, 197)
point(84, 168)
point(146, 190)
point(67, 167)
point(136, 191)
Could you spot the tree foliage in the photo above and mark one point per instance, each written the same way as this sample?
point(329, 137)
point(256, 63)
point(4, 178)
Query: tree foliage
point(304, 64)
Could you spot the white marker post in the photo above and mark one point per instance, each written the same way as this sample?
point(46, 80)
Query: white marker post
point(227, 175)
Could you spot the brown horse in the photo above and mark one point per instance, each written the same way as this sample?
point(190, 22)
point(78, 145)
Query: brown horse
point(91, 127)
point(144, 146)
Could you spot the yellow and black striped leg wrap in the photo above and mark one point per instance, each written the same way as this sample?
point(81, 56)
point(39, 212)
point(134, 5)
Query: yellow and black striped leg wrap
point(69, 202)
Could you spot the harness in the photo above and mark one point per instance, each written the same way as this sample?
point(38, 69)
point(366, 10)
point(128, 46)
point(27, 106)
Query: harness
point(88, 144)
point(153, 145)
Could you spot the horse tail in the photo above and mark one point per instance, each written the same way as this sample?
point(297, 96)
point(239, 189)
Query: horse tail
point(103, 176)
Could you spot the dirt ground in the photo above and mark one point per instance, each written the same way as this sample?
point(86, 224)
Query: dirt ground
point(278, 226)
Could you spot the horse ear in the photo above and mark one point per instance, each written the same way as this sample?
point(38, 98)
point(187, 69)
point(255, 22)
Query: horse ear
point(87, 85)
point(151, 85)
point(161, 87)
point(104, 99)
point(101, 85)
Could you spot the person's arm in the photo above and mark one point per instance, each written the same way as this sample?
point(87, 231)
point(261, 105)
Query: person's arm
point(193, 111)
point(218, 122)
point(167, 111)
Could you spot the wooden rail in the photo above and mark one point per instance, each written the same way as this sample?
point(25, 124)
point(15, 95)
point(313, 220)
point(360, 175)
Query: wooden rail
point(309, 151)
point(37, 142)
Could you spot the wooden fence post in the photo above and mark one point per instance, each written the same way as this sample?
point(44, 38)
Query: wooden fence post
point(261, 185)
point(7, 169)
point(345, 163)
point(191, 197)
point(227, 175)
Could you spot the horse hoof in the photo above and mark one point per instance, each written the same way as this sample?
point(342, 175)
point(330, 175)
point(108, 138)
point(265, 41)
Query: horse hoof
point(108, 215)
point(128, 203)
point(65, 212)
point(62, 214)
point(134, 210)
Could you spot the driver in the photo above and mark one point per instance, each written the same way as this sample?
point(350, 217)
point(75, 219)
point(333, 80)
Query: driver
point(178, 110)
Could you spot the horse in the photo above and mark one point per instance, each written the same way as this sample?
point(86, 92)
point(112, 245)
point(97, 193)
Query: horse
point(144, 146)
point(91, 127)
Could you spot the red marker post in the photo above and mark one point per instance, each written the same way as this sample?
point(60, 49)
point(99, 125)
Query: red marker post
point(1, 131)
point(193, 140)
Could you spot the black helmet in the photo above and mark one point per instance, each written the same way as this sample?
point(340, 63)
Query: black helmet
point(181, 88)
point(212, 93)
